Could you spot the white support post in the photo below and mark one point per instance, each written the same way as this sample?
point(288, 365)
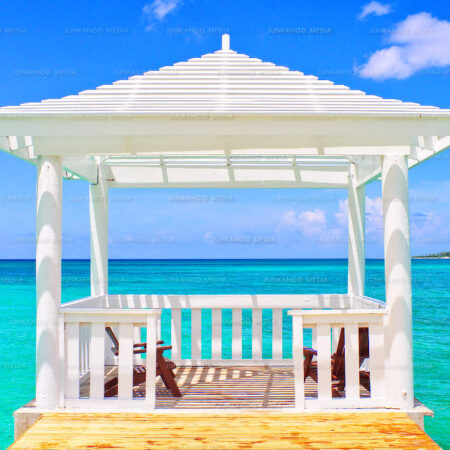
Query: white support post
point(98, 210)
point(356, 235)
point(48, 280)
point(297, 355)
point(399, 370)
point(152, 332)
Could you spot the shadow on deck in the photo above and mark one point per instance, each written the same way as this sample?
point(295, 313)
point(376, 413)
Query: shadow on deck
point(227, 387)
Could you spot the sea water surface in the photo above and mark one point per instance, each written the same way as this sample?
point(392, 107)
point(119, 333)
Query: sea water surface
point(431, 303)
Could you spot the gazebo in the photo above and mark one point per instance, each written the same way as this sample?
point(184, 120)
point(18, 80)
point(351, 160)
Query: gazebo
point(224, 120)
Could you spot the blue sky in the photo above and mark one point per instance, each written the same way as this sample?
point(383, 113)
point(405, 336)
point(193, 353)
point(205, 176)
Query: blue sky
point(393, 49)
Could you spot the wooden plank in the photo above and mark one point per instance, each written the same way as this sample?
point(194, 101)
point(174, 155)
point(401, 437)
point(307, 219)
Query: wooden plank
point(72, 381)
point(277, 334)
point(263, 430)
point(324, 362)
point(236, 334)
point(351, 361)
point(216, 334)
point(297, 354)
point(196, 333)
point(125, 361)
point(175, 330)
point(97, 361)
point(257, 334)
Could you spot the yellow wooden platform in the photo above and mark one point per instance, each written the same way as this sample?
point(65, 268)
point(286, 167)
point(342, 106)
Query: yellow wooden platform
point(254, 430)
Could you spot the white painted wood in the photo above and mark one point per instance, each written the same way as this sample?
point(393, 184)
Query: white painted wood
point(48, 280)
point(356, 234)
point(176, 333)
point(297, 353)
point(125, 361)
point(150, 379)
point(314, 338)
point(277, 333)
point(225, 42)
point(62, 360)
point(257, 331)
point(324, 362)
point(137, 359)
point(72, 381)
point(196, 334)
point(97, 360)
point(260, 301)
point(216, 334)
point(399, 383)
point(236, 334)
point(85, 336)
point(192, 87)
point(335, 333)
point(351, 361)
point(98, 211)
point(377, 361)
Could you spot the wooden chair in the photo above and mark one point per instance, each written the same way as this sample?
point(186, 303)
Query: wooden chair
point(164, 367)
point(338, 362)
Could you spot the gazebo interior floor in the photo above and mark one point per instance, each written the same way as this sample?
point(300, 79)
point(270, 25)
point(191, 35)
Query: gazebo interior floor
point(226, 387)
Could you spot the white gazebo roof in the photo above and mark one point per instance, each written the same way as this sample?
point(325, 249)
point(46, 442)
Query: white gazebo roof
point(230, 121)
point(225, 82)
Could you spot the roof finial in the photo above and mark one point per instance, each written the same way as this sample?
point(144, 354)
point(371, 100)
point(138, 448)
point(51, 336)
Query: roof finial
point(225, 42)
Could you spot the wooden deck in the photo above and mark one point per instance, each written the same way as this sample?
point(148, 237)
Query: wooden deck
point(258, 430)
point(228, 387)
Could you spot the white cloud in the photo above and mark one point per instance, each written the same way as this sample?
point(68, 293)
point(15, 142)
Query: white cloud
point(374, 215)
point(157, 10)
point(342, 214)
point(420, 41)
point(376, 8)
point(309, 223)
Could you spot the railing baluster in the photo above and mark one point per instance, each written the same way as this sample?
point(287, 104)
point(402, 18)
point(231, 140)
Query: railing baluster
point(150, 380)
point(176, 333)
point(257, 334)
point(297, 354)
point(72, 382)
point(236, 334)
point(216, 334)
point(335, 332)
point(351, 361)
point(314, 338)
point(376, 360)
point(196, 334)
point(277, 334)
point(324, 361)
point(97, 360)
point(125, 361)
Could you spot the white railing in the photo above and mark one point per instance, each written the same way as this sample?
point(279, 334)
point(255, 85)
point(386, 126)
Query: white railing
point(84, 346)
point(325, 323)
point(86, 349)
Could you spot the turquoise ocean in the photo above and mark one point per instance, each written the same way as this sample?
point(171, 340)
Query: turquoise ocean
point(431, 300)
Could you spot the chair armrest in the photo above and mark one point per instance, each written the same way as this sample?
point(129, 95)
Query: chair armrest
point(144, 344)
point(309, 351)
point(164, 347)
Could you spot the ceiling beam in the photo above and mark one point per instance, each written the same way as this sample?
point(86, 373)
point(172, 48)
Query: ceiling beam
point(335, 177)
point(225, 125)
point(303, 145)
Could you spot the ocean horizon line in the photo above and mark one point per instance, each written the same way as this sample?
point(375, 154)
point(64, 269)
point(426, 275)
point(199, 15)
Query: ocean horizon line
point(201, 259)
